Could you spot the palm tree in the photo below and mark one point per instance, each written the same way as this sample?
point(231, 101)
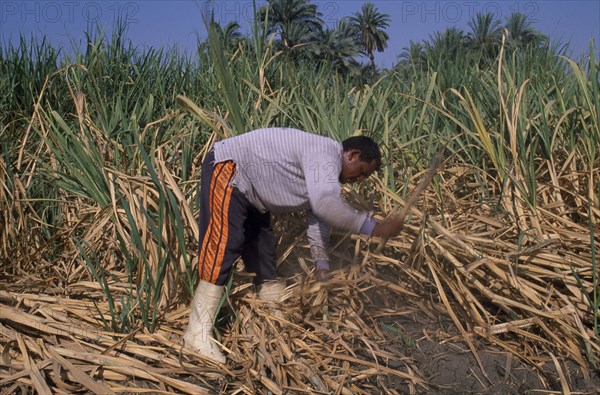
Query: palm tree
point(337, 47)
point(447, 45)
point(230, 34)
point(299, 34)
point(295, 21)
point(368, 25)
point(413, 55)
point(521, 34)
point(446, 53)
point(346, 28)
point(485, 35)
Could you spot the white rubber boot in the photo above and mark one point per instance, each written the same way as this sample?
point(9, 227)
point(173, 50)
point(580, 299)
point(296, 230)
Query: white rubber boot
point(272, 291)
point(198, 334)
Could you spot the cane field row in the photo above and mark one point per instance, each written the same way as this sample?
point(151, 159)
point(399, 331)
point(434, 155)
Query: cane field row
point(100, 155)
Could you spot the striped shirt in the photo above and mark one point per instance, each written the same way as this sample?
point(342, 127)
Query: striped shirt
point(281, 170)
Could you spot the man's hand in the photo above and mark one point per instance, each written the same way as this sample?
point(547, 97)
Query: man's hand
point(323, 275)
point(390, 227)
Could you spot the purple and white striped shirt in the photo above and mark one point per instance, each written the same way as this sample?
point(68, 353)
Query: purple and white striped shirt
point(281, 170)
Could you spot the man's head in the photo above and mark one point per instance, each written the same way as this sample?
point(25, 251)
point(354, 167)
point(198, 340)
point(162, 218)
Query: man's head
point(360, 158)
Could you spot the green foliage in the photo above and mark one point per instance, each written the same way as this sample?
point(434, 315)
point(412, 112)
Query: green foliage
point(369, 25)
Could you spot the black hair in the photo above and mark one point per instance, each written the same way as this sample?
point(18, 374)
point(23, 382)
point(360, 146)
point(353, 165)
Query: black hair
point(369, 149)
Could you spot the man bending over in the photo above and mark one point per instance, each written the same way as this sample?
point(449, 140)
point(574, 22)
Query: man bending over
point(276, 170)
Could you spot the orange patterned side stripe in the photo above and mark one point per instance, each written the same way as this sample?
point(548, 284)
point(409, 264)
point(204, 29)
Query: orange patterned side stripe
point(215, 239)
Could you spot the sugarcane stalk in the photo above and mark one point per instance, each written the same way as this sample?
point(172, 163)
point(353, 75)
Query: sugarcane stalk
point(434, 166)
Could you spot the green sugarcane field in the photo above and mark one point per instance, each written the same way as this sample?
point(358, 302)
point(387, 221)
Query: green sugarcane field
point(491, 286)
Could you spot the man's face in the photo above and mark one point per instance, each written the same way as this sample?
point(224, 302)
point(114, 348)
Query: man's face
point(354, 169)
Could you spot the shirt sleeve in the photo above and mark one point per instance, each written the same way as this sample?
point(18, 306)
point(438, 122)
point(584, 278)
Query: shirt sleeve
point(318, 237)
point(368, 226)
point(325, 195)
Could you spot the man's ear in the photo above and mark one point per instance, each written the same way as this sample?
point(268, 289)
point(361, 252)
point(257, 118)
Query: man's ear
point(354, 154)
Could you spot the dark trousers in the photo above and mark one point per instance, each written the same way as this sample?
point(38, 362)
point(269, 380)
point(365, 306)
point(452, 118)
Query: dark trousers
point(231, 227)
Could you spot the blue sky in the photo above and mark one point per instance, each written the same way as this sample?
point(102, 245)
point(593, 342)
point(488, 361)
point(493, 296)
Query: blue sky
point(162, 23)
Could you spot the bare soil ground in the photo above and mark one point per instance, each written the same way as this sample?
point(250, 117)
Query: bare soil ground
point(424, 337)
point(449, 367)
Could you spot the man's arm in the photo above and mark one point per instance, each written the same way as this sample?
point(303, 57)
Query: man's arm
point(318, 238)
point(318, 233)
